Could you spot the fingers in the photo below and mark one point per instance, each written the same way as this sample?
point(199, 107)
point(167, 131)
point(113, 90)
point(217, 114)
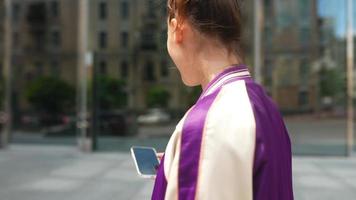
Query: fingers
point(160, 155)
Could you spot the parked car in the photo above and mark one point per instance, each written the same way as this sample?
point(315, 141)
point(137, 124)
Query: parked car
point(118, 123)
point(38, 121)
point(110, 123)
point(154, 116)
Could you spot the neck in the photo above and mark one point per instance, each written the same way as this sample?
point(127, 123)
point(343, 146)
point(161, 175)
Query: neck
point(212, 62)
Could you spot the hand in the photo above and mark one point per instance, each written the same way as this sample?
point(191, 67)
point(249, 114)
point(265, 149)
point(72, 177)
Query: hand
point(160, 155)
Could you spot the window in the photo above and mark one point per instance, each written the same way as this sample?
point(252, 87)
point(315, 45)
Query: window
point(125, 10)
point(304, 71)
point(149, 72)
point(151, 9)
point(304, 8)
point(55, 69)
point(102, 10)
point(15, 12)
point(164, 10)
point(102, 67)
point(303, 98)
point(29, 76)
point(15, 40)
point(284, 16)
point(267, 5)
point(164, 37)
point(164, 68)
point(148, 39)
point(268, 35)
point(56, 38)
point(54, 8)
point(305, 33)
point(124, 70)
point(124, 39)
point(103, 40)
point(39, 67)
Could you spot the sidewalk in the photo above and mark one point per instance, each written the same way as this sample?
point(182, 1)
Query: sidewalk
point(57, 173)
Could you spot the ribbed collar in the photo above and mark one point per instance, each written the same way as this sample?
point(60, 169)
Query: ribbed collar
point(229, 74)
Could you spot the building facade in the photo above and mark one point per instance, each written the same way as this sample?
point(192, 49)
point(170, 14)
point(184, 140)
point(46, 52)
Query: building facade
point(291, 43)
point(128, 41)
point(2, 14)
point(44, 43)
point(126, 37)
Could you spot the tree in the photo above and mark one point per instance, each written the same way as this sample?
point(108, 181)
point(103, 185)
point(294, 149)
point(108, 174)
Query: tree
point(2, 92)
point(111, 93)
point(332, 82)
point(158, 97)
point(193, 95)
point(50, 95)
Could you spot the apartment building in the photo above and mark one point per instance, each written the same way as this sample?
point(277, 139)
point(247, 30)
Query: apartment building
point(291, 44)
point(126, 37)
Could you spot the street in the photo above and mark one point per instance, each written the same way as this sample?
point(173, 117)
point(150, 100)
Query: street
point(39, 172)
point(309, 137)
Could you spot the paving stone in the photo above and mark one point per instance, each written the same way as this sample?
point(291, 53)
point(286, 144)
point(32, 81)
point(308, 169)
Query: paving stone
point(57, 173)
point(53, 184)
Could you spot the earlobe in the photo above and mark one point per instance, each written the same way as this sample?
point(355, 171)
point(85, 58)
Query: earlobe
point(178, 35)
point(173, 24)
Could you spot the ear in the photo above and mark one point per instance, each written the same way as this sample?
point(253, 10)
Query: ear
point(177, 30)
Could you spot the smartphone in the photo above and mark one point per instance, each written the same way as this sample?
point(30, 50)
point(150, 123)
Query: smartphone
point(146, 161)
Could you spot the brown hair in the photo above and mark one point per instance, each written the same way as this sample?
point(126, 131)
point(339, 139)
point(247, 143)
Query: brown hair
point(220, 19)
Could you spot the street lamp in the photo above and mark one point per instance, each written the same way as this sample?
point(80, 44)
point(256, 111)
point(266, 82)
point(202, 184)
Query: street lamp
point(258, 23)
point(84, 142)
point(350, 84)
point(4, 137)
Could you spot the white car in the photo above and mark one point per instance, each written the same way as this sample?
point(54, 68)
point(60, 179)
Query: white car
point(154, 116)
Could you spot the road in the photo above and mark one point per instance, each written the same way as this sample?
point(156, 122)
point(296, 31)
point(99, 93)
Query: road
point(309, 137)
point(38, 172)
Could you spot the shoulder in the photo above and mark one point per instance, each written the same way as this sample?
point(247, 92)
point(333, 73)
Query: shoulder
point(233, 105)
point(228, 110)
point(225, 114)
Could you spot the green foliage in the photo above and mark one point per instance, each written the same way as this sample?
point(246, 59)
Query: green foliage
point(50, 95)
point(193, 95)
point(111, 93)
point(2, 92)
point(158, 97)
point(332, 82)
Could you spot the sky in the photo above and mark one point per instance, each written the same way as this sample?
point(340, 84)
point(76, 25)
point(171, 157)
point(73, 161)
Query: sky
point(337, 10)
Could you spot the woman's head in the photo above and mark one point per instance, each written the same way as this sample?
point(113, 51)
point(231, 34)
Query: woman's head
point(194, 23)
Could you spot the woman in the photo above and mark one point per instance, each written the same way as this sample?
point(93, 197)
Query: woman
point(232, 144)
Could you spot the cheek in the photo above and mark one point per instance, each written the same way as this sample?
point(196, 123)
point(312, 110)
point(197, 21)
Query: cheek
point(181, 60)
point(170, 47)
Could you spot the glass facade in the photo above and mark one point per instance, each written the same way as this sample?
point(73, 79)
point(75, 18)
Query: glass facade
point(304, 71)
point(135, 95)
point(310, 71)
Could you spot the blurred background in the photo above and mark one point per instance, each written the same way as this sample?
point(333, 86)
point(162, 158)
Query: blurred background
point(94, 76)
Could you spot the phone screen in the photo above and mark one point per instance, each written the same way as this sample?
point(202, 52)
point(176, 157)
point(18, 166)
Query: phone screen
point(146, 160)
